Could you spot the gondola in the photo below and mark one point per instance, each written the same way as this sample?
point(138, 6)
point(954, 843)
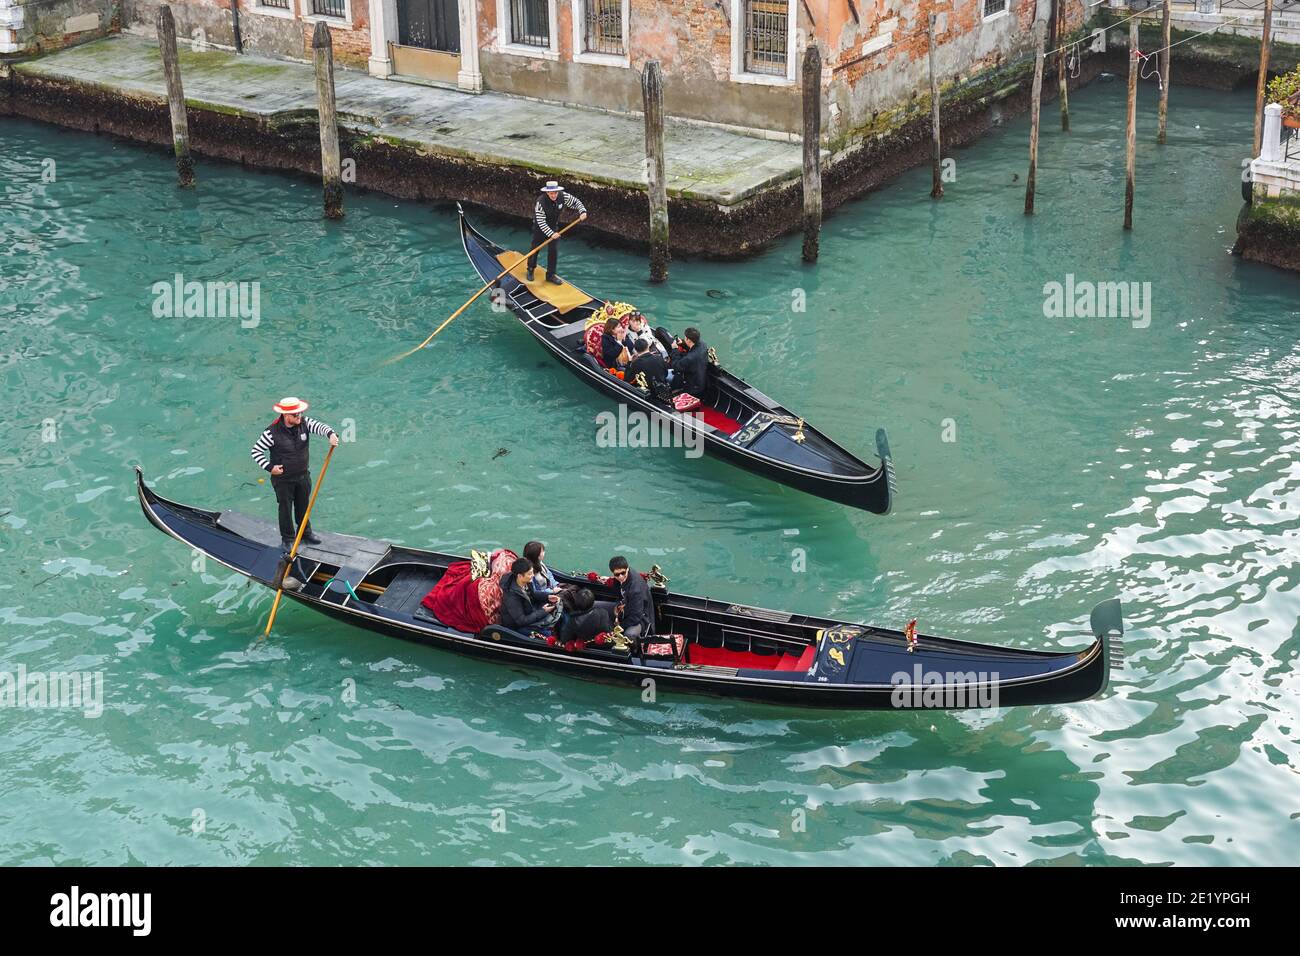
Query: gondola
point(724, 649)
point(738, 423)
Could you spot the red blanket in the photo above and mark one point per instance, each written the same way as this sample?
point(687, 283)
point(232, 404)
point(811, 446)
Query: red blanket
point(454, 599)
point(465, 603)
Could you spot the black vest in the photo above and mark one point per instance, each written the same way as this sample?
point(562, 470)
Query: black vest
point(289, 448)
point(551, 210)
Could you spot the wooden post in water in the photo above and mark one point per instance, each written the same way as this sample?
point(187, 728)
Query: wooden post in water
point(1130, 140)
point(175, 96)
point(1165, 54)
point(331, 167)
point(936, 189)
point(1265, 42)
point(234, 26)
point(652, 95)
point(1035, 110)
point(1062, 68)
point(812, 152)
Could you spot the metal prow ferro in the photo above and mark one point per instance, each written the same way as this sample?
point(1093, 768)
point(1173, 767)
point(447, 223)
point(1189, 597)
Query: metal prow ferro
point(886, 462)
point(1107, 621)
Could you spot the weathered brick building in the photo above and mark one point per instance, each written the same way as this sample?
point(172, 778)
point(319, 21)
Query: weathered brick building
point(732, 62)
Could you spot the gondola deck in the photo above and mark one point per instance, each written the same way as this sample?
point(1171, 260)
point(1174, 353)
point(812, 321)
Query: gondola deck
point(737, 423)
point(729, 650)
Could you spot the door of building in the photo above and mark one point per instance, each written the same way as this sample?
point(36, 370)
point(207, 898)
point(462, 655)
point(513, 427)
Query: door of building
point(428, 39)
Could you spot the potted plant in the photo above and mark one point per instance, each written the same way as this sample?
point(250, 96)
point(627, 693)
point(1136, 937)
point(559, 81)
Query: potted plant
point(1285, 89)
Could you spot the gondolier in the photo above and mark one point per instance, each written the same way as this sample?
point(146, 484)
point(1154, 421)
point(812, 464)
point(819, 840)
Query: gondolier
point(282, 450)
point(546, 223)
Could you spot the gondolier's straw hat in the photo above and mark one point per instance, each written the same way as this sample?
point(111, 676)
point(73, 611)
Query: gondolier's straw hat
point(290, 406)
point(552, 187)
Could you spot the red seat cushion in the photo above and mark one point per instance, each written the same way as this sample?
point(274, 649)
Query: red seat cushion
point(723, 423)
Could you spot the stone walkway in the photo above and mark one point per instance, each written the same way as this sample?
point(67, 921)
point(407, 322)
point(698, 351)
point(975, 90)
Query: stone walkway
point(703, 163)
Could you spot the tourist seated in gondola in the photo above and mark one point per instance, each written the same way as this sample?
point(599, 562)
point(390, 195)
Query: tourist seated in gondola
point(544, 584)
point(648, 362)
point(613, 350)
point(583, 616)
point(638, 330)
point(690, 364)
point(521, 610)
point(637, 612)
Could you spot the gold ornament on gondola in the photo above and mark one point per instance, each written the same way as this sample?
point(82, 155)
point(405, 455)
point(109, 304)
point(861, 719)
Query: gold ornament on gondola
point(712, 353)
point(656, 577)
point(641, 383)
point(620, 641)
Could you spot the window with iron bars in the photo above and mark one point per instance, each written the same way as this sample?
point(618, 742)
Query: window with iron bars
point(530, 22)
point(993, 7)
point(327, 8)
point(767, 30)
point(603, 27)
point(277, 4)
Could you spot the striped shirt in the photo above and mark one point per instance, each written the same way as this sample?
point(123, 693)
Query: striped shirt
point(262, 447)
point(540, 211)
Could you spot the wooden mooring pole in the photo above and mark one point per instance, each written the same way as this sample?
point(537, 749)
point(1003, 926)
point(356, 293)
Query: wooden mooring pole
point(175, 96)
point(812, 152)
point(331, 167)
point(1035, 111)
point(1062, 68)
point(1265, 43)
point(1165, 54)
point(936, 189)
point(652, 95)
point(1130, 141)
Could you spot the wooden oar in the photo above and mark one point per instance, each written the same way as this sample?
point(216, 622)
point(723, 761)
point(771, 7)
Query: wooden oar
point(298, 540)
point(504, 272)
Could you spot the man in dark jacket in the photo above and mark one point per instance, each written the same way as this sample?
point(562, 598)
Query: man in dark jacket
point(691, 364)
point(546, 223)
point(638, 614)
point(650, 363)
point(282, 450)
point(521, 609)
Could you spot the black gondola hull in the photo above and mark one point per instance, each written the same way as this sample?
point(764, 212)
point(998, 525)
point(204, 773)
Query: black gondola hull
point(1042, 678)
point(851, 482)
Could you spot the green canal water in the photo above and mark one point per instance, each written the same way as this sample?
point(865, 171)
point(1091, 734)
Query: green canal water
point(1044, 464)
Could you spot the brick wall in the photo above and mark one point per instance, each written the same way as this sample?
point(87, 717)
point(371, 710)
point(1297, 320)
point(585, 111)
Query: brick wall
point(265, 30)
point(875, 52)
point(39, 26)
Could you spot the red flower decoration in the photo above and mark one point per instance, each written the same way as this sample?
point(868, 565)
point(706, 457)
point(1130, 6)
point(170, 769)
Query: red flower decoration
point(552, 640)
point(600, 639)
point(593, 576)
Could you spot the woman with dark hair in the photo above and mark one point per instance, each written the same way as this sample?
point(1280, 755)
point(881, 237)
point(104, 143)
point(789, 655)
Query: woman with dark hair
point(584, 618)
point(613, 350)
point(545, 584)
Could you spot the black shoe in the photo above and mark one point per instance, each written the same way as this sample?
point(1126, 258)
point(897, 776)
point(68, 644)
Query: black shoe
point(555, 279)
point(530, 275)
point(286, 543)
point(311, 538)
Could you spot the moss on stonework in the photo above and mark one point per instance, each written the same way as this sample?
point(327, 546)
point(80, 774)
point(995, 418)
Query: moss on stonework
point(1269, 232)
point(1280, 217)
point(1228, 49)
point(955, 96)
